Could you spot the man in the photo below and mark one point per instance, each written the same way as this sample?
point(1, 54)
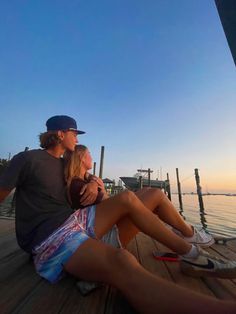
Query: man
point(41, 202)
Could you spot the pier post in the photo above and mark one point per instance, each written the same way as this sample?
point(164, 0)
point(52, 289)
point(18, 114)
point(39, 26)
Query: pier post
point(101, 161)
point(168, 187)
point(179, 190)
point(140, 182)
point(199, 190)
point(149, 177)
point(94, 168)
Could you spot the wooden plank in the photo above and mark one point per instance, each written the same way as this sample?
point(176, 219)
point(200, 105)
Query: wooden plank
point(12, 263)
point(8, 244)
point(6, 225)
point(222, 288)
point(93, 303)
point(145, 247)
point(231, 245)
point(16, 288)
point(188, 282)
point(45, 297)
point(117, 304)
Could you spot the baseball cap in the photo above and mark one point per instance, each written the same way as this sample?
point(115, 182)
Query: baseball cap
point(62, 123)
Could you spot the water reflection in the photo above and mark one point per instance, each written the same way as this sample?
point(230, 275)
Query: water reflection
point(218, 216)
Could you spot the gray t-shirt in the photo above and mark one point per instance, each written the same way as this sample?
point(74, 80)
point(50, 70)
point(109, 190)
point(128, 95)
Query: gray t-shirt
point(41, 202)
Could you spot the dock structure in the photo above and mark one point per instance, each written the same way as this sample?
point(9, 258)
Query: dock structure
point(23, 291)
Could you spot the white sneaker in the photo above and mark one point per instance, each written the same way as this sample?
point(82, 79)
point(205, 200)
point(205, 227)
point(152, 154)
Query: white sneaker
point(200, 237)
point(208, 265)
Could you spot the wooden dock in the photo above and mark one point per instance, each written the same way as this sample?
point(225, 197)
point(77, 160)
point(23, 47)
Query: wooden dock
point(23, 291)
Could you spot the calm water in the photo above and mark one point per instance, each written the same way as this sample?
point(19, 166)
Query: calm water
point(219, 217)
point(220, 213)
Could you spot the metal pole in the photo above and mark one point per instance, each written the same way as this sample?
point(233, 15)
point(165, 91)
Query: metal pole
point(179, 190)
point(101, 161)
point(94, 168)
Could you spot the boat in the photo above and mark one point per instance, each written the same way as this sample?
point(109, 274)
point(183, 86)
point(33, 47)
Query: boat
point(133, 183)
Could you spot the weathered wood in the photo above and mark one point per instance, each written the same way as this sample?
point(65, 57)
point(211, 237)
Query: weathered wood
point(222, 288)
point(95, 303)
point(23, 291)
point(101, 162)
point(179, 190)
point(145, 248)
point(168, 190)
point(17, 287)
point(199, 190)
point(178, 277)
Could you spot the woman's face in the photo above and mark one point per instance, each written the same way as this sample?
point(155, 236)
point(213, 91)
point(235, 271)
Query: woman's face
point(87, 160)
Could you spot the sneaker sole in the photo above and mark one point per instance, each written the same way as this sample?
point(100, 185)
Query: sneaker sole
point(189, 271)
point(207, 244)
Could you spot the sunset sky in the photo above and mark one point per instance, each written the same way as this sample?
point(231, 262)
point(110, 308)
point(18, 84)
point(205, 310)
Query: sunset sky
point(153, 81)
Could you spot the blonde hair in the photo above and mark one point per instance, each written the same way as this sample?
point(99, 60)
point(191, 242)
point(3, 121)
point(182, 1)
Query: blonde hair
point(73, 162)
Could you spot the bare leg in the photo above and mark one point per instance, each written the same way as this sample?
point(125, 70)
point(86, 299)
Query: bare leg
point(127, 205)
point(156, 201)
point(147, 293)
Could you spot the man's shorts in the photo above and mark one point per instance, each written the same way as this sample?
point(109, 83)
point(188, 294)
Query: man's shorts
point(55, 251)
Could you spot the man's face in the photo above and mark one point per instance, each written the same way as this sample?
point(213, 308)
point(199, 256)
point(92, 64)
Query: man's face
point(69, 140)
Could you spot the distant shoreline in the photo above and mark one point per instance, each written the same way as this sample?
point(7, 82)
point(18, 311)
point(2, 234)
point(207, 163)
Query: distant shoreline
point(206, 194)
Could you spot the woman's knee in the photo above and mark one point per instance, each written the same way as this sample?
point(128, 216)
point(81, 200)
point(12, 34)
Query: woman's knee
point(157, 193)
point(127, 197)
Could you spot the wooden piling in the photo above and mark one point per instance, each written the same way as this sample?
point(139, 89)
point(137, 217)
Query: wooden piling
point(149, 177)
point(101, 161)
point(179, 190)
point(168, 187)
point(199, 190)
point(94, 168)
point(140, 182)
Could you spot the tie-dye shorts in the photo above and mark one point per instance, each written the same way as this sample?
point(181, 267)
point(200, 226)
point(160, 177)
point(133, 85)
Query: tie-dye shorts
point(55, 251)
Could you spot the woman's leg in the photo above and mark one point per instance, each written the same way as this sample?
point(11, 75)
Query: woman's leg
point(128, 205)
point(147, 293)
point(156, 201)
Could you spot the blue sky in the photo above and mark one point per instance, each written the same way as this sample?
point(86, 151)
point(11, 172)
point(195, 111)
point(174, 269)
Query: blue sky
point(152, 81)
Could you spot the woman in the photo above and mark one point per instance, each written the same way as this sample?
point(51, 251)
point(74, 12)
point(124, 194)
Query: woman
point(79, 162)
point(61, 239)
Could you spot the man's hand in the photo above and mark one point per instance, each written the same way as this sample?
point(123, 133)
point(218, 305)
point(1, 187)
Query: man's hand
point(89, 192)
point(99, 182)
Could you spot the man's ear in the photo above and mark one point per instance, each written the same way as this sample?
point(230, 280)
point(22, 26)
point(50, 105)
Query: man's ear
point(60, 135)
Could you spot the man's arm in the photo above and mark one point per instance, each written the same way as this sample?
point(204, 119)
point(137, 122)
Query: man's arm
point(4, 194)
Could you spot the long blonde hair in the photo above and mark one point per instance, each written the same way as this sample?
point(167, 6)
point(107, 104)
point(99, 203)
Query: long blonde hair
point(73, 161)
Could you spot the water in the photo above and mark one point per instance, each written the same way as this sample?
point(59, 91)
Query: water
point(219, 217)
